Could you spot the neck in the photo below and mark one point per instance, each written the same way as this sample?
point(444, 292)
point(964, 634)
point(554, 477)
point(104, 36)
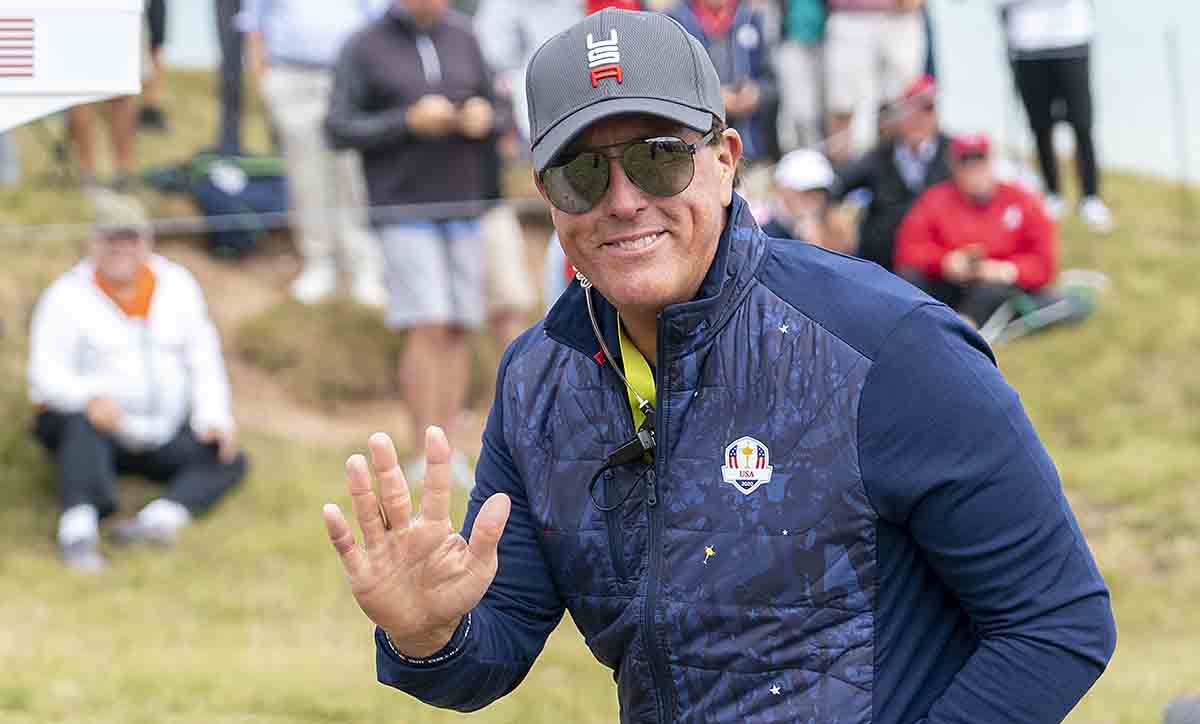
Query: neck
point(642, 328)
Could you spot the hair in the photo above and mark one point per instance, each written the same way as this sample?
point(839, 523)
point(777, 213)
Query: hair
point(718, 128)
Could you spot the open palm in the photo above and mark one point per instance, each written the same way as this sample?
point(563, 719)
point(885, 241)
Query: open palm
point(415, 577)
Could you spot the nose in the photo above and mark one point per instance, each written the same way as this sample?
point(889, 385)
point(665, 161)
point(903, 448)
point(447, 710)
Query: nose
point(624, 199)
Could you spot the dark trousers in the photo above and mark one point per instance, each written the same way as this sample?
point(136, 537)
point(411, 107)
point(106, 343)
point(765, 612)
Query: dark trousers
point(1042, 83)
point(156, 22)
point(976, 302)
point(89, 462)
point(230, 140)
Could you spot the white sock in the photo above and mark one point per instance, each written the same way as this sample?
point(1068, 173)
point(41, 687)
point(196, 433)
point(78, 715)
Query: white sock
point(79, 522)
point(164, 514)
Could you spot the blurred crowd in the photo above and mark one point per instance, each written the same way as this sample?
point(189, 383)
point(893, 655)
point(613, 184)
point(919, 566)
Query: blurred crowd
point(394, 123)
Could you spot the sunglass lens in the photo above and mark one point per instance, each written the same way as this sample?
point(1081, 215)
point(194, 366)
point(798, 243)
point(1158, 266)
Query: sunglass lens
point(577, 185)
point(662, 167)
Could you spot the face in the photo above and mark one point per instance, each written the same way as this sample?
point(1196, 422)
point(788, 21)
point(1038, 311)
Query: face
point(918, 121)
point(117, 259)
point(425, 12)
point(643, 252)
point(974, 177)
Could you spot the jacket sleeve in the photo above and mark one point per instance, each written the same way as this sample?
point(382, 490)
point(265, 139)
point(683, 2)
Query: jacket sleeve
point(211, 406)
point(497, 643)
point(948, 453)
point(857, 175)
point(349, 123)
point(918, 243)
point(54, 379)
point(1037, 259)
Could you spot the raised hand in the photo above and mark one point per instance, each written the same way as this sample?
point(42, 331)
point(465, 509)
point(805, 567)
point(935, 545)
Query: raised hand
point(415, 577)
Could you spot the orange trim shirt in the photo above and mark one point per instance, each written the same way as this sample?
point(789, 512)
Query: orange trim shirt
point(135, 300)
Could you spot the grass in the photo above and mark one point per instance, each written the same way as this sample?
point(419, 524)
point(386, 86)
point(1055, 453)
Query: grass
point(249, 619)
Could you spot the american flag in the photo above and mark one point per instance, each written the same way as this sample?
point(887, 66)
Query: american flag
point(16, 47)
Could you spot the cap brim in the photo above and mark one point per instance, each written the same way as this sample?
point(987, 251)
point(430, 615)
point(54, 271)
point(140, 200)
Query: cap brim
point(568, 128)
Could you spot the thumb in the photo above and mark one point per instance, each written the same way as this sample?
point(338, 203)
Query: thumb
point(489, 526)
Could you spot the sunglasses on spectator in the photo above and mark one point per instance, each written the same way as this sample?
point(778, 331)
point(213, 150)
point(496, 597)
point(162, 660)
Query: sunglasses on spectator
point(662, 166)
point(971, 156)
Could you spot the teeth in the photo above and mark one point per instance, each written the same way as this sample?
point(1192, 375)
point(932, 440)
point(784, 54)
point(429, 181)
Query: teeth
point(635, 244)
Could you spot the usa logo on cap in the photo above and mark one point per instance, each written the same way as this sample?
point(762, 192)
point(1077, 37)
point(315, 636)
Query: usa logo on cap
point(748, 465)
point(604, 58)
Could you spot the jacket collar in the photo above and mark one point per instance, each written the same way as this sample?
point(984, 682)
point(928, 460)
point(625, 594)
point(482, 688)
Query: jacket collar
point(683, 327)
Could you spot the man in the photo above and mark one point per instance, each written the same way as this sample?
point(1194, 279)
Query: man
point(732, 33)
point(798, 66)
point(800, 202)
point(842, 513)
point(974, 243)
point(412, 92)
point(897, 171)
point(1050, 44)
point(126, 370)
point(869, 45)
point(292, 46)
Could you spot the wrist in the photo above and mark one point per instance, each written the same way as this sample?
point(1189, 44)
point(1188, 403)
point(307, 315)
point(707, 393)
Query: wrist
point(420, 647)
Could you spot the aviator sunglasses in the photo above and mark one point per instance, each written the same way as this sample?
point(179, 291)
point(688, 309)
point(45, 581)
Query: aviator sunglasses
point(661, 166)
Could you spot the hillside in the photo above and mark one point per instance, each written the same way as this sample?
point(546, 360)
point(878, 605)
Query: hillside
point(249, 620)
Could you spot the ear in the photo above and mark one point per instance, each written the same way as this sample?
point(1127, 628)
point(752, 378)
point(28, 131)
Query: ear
point(729, 155)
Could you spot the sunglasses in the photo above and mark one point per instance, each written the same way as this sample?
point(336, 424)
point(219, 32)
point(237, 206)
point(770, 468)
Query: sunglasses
point(662, 166)
point(971, 157)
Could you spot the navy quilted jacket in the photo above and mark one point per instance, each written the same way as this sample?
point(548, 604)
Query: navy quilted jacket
point(910, 556)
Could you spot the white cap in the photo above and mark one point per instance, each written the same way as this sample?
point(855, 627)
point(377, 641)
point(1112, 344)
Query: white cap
point(804, 170)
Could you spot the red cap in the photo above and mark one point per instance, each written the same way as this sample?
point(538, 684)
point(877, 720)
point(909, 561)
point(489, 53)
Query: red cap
point(975, 144)
point(923, 87)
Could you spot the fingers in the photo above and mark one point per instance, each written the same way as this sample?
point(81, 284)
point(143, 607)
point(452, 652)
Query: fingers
point(435, 502)
point(353, 558)
point(489, 526)
point(366, 507)
point(393, 487)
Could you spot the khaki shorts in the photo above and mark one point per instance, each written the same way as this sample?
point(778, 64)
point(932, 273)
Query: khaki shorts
point(868, 52)
point(509, 286)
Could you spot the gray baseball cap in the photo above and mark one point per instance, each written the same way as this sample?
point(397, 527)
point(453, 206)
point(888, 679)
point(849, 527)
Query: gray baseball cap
point(614, 62)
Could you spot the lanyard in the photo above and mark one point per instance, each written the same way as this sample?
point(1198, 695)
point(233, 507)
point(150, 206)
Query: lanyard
point(637, 371)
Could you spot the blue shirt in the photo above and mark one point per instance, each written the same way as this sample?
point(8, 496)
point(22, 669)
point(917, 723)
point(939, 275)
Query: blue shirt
point(307, 33)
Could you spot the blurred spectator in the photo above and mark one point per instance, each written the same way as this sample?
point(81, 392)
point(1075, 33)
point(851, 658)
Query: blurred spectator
point(151, 117)
point(972, 242)
point(510, 291)
point(413, 93)
point(800, 201)
point(122, 131)
point(229, 138)
point(127, 373)
point(509, 31)
point(1049, 42)
point(869, 45)
point(1184, 710)
point(10, 161)
point(799, 64)
point(732, 33)
point(292, 46)
point(898, 170)
point(595, 6)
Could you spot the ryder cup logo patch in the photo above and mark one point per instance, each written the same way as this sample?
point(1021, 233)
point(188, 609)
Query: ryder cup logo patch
point(747, 465)
point(604, 58)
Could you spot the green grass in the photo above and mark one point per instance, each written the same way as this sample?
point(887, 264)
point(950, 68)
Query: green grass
point(249, 619)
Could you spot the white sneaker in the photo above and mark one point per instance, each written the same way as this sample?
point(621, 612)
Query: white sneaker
point(369, 292)
point(1054, 206)
point(1096, 215)
point(316, 283)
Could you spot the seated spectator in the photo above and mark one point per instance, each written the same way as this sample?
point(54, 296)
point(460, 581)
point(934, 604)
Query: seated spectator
point(126, 370)
point(898, 170)
point(292, 46)
point(412, 92)
point(732, 33)
point(800, 202)
point(972, 242)
point(869, 45)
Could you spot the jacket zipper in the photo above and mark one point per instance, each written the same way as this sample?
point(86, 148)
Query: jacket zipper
point(659, 676)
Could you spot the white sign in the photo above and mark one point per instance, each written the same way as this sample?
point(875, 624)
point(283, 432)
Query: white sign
point(55, 54)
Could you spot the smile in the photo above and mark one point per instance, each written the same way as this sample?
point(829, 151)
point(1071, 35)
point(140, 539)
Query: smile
point(633, 244)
